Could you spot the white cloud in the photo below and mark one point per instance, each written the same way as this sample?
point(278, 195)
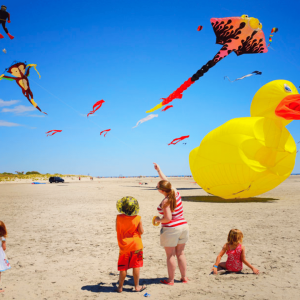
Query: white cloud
point(8, 103)
point(8, 124)
point(19, 109)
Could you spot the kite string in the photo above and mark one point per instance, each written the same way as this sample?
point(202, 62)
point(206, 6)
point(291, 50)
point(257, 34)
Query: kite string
point(80, 114)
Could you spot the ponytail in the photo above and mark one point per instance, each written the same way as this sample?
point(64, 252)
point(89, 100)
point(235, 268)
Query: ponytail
point(166, 186)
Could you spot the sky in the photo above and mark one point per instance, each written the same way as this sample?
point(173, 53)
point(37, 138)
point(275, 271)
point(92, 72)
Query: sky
point(130, 54)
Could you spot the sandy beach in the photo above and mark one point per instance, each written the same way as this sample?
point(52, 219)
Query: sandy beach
point(62, 241)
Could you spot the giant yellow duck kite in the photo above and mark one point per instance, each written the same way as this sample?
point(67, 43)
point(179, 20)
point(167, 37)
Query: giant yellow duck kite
point(246, 157)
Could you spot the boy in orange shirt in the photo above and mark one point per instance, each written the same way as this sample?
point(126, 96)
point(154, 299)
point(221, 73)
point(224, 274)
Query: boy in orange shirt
point(129, 230)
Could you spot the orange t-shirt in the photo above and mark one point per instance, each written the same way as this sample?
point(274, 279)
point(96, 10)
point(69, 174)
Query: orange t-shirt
point(129, 239)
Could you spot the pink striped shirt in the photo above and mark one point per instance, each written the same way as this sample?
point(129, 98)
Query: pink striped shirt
point(177, 214)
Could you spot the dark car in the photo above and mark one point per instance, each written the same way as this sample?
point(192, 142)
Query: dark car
point(56, 179)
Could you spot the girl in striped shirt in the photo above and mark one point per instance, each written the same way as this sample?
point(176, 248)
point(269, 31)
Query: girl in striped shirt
point(175, 231)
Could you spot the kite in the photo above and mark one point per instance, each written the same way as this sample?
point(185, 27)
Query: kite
point(106, 131)
point(178, 140)
point(241, 35)
point(251, 74)
point(248, 156)
point(96, 106)
point(274, 30)
point(3, 16)
point(21, 72)
point(183, 143)
point(52, 132)
point(199, 28)
point(167, 107)
point(145, 119)
point(4, 51)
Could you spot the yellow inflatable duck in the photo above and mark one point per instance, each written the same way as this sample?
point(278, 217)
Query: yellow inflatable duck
point(246, 157)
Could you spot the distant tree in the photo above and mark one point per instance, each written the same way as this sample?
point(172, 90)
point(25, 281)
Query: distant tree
point(6, 173)
point(32, 172)
point(19, 173)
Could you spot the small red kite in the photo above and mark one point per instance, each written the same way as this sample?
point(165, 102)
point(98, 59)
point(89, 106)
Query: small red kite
point(96, 106)
point(106, 131)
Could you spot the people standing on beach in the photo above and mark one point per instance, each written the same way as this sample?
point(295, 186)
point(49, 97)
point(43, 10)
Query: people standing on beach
point(129, 229)
point(174, 232)
point(236, 255)
point(4, 264)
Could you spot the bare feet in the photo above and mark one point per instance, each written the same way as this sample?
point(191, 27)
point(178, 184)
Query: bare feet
point(1, 290)
point(119, 290)
point(140, 288)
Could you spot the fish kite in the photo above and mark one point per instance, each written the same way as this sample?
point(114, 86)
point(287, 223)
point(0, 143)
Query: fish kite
point(21, 72)
point(167, 107)
point(251, 74)
point(241, 35)
point(52, 132)
point(106, 131)
point(145, 119)
point(4, 51)
point(175, 141)
point(96, 106)
point(200, 28)
point(3, 16)
point(274, 30)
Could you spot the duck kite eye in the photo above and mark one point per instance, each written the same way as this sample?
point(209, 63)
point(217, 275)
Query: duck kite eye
point(287, 88)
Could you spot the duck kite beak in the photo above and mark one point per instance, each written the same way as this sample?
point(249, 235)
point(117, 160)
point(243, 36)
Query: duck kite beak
point(289, 108)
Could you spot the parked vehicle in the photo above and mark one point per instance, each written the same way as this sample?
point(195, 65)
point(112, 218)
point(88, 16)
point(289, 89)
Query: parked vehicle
point(56, 179)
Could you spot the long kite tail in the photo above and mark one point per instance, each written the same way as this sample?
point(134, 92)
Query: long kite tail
point(178, 93)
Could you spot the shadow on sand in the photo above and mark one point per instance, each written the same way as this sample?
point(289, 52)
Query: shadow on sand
point(102, 287)
point(215, 199)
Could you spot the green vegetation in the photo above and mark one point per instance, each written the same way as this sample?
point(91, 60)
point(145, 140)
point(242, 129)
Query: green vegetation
point(33, 176)
point(32, 172)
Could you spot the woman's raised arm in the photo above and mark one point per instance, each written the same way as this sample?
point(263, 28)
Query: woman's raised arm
point(160, 173)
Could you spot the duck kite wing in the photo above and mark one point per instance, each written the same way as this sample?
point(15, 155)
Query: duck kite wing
point(175, 141)
point(106, 131)
point(96, 106)
point(145, 119)
point(251, 74)
point(239, 34)
point(52, 132)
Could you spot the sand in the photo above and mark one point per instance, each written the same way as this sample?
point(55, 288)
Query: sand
point(62, 241)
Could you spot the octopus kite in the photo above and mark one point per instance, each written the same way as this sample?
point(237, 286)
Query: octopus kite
point(241, 35)
point(175, 141)
point(96, 106)
point(21, 72)
point(52, 132)
point(106, 131)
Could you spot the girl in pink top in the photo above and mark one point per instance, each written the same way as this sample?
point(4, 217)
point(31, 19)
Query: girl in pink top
point(236, 254)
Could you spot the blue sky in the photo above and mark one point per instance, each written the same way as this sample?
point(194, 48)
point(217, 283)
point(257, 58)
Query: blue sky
point(131, 54)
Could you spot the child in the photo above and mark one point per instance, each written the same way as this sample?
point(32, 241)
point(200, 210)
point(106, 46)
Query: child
point(129, 230)
point(4, 264)
point(236, 254)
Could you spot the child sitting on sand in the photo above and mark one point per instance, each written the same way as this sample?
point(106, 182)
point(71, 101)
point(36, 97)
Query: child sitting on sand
point(4, 264)
point(236, 255)
point(129, 230)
